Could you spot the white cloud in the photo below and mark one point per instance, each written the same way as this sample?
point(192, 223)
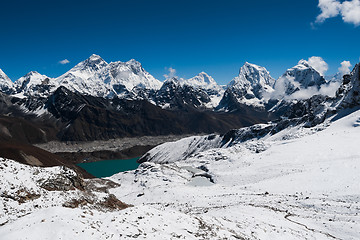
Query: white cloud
point(330, 89)
point(279, 87)
point(329, 9)
point(318, 64)
point(65, 61)
point(349, 11)
point(325, 90)
point(172, 73)
point(345, 67)
point(303, 94)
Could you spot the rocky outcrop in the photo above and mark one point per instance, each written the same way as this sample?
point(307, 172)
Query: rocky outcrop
point(64, 181)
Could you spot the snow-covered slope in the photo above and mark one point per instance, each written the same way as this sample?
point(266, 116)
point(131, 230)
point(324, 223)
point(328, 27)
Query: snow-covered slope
point(6, 85)
point(300, 183)
point(27, 189)
point(54, 203)
point(182, 149)
point(251, 87)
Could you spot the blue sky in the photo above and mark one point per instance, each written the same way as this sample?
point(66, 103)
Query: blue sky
point(190, 36)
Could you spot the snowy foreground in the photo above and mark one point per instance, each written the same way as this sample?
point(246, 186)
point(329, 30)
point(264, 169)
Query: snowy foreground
point(301, 183)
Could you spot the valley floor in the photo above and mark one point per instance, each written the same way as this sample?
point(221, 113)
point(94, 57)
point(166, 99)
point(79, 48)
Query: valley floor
point(98, 150)
point(110, 145)
point(297, 184)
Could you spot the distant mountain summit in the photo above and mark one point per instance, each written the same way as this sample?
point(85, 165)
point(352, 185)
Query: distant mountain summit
point(251, 87)
point(177, 93)
point(301, 76)
point(209, 85)
point(200, 91)
point(81, 77)
point(202, 80)
point(34, 84)
point(6, 85)
point(98, 78)
point(252, 79)
point(125, 77)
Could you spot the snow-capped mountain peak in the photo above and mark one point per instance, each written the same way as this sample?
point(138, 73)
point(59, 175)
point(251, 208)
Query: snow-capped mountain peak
point(301, 76)
point(6, 85)
point(81, 77)
point(172, 81)
point(251, 75)
point(31, 73)
point(34, 84)
point(304, 63)
point(31, 76)
point(201, 80)
point(208, 84)
point(128, 76)
point(4, 77)
point(84, 69)
point(94, 57)
point(91, 65)
point(201, 90)
point(251, 87)
point(133, 62)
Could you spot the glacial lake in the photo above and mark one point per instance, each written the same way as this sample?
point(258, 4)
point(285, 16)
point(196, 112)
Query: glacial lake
point(108, 168)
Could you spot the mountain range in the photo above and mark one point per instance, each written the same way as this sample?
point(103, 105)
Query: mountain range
point(254, 85)
point(100, 100)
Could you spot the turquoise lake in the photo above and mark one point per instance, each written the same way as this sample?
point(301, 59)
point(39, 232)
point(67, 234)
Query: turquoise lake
point(108, 168)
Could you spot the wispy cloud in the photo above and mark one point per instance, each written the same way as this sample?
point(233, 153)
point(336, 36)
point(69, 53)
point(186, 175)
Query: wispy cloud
point(349, 11)
point(318, 64)
point(65, 61)
point(172, 73)
point(326, 90)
